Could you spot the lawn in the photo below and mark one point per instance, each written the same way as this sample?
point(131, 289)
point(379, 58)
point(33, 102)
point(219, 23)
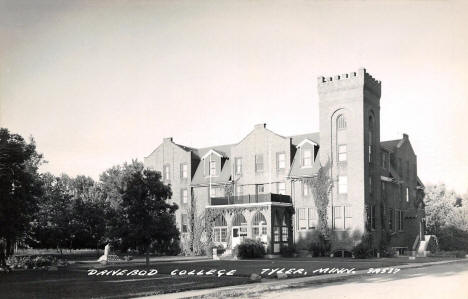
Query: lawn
point(74, 282)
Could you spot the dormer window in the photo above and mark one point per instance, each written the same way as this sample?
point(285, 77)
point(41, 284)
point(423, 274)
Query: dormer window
point(307, 157)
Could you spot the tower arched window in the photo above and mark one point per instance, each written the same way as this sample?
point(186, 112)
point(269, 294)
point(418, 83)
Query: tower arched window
point(341, 122)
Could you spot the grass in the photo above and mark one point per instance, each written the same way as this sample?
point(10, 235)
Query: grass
point(74, 282)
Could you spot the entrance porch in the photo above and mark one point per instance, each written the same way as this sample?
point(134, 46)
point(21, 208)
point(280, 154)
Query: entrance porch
point(264, 217)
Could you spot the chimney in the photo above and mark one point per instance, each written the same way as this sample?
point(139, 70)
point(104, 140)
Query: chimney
point(167, 139)
point(260, 126)
point(405, 136)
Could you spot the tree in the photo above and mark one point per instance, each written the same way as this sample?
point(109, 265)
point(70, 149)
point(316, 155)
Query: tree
point(52, 225)
point(145, 220)
point(321, 185)
point(114, 181)
point(19, 189)
point(440, 207)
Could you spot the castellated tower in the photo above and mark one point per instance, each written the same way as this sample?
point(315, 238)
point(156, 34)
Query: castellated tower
point(350, 139)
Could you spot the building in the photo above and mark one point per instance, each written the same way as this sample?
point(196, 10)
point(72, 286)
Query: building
point(257, 188)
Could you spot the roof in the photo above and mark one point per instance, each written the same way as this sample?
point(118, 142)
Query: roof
point(296, 139)
point(390, 145)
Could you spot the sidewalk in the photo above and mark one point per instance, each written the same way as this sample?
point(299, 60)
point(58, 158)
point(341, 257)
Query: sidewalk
point(275, 284)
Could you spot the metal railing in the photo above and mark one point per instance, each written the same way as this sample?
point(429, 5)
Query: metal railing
point(250, 198)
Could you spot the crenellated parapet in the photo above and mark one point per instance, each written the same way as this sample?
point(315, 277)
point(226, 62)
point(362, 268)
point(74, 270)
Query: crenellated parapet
point(361, 78)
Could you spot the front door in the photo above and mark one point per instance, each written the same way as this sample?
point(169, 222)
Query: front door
point(236, 238)
point(238, 234)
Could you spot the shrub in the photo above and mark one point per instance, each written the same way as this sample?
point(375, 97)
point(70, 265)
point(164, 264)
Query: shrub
point(452, 238)
point(250, 249)
point(460, 253)
point(32, 262)
point(364, 248)
point(288, 251)
point(219, 249)
point(321, 247)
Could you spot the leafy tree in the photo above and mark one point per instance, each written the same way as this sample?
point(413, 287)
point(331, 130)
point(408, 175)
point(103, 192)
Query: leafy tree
point(52, 226)
point(114, 181)
point(19, 189)
point(146, 221)
point(440, 206)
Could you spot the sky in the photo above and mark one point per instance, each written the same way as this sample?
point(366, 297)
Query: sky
point(97, 83)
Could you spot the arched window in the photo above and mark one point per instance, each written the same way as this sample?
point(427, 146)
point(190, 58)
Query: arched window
point(341, 122)
point(239, 220)
point(220, 229)
point(259, 225)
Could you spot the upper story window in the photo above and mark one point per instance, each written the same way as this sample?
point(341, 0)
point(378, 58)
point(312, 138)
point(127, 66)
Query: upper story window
point(183, 171)
point(307, 157)
point(259, 163)
point(342, 184)
point(385, 160)
point(260, 189)
point(184, 196)
point(281, 188)
point(341, 122)
point(238, 166)
point(167, 172)
point(342, 155)
point(212, 167)
point(407, 194)
point(280, 161)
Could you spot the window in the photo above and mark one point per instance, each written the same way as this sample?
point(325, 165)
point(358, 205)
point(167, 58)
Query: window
point(184, 223)
point(183, 170)
point(348, 221)
point(280, 161)
point(305, 189)
point(400, 220)
point(220, 230)
point(342, 184)
point(166, 172)
point(306, 219)
point(276, 233)
point(302, 222)
point(371, 186)
point(260, 189)
point(312, 218)
point(212, 167)
point(341, 122)
point(391, 217)
point(238, 166)
point(259, 163)
point(385, 160)
point(407, 194)
point(338, 222)
point(184, 196)
point(281, 186)
point(239, 190)
point(342, 156)
point(284, 233)
point(307, 157)
point(259, 226)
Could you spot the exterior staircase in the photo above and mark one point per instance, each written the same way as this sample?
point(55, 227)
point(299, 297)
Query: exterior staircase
point(421, 247)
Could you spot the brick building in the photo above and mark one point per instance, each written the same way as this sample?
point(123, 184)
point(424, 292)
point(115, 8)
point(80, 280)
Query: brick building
point(256, 186)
